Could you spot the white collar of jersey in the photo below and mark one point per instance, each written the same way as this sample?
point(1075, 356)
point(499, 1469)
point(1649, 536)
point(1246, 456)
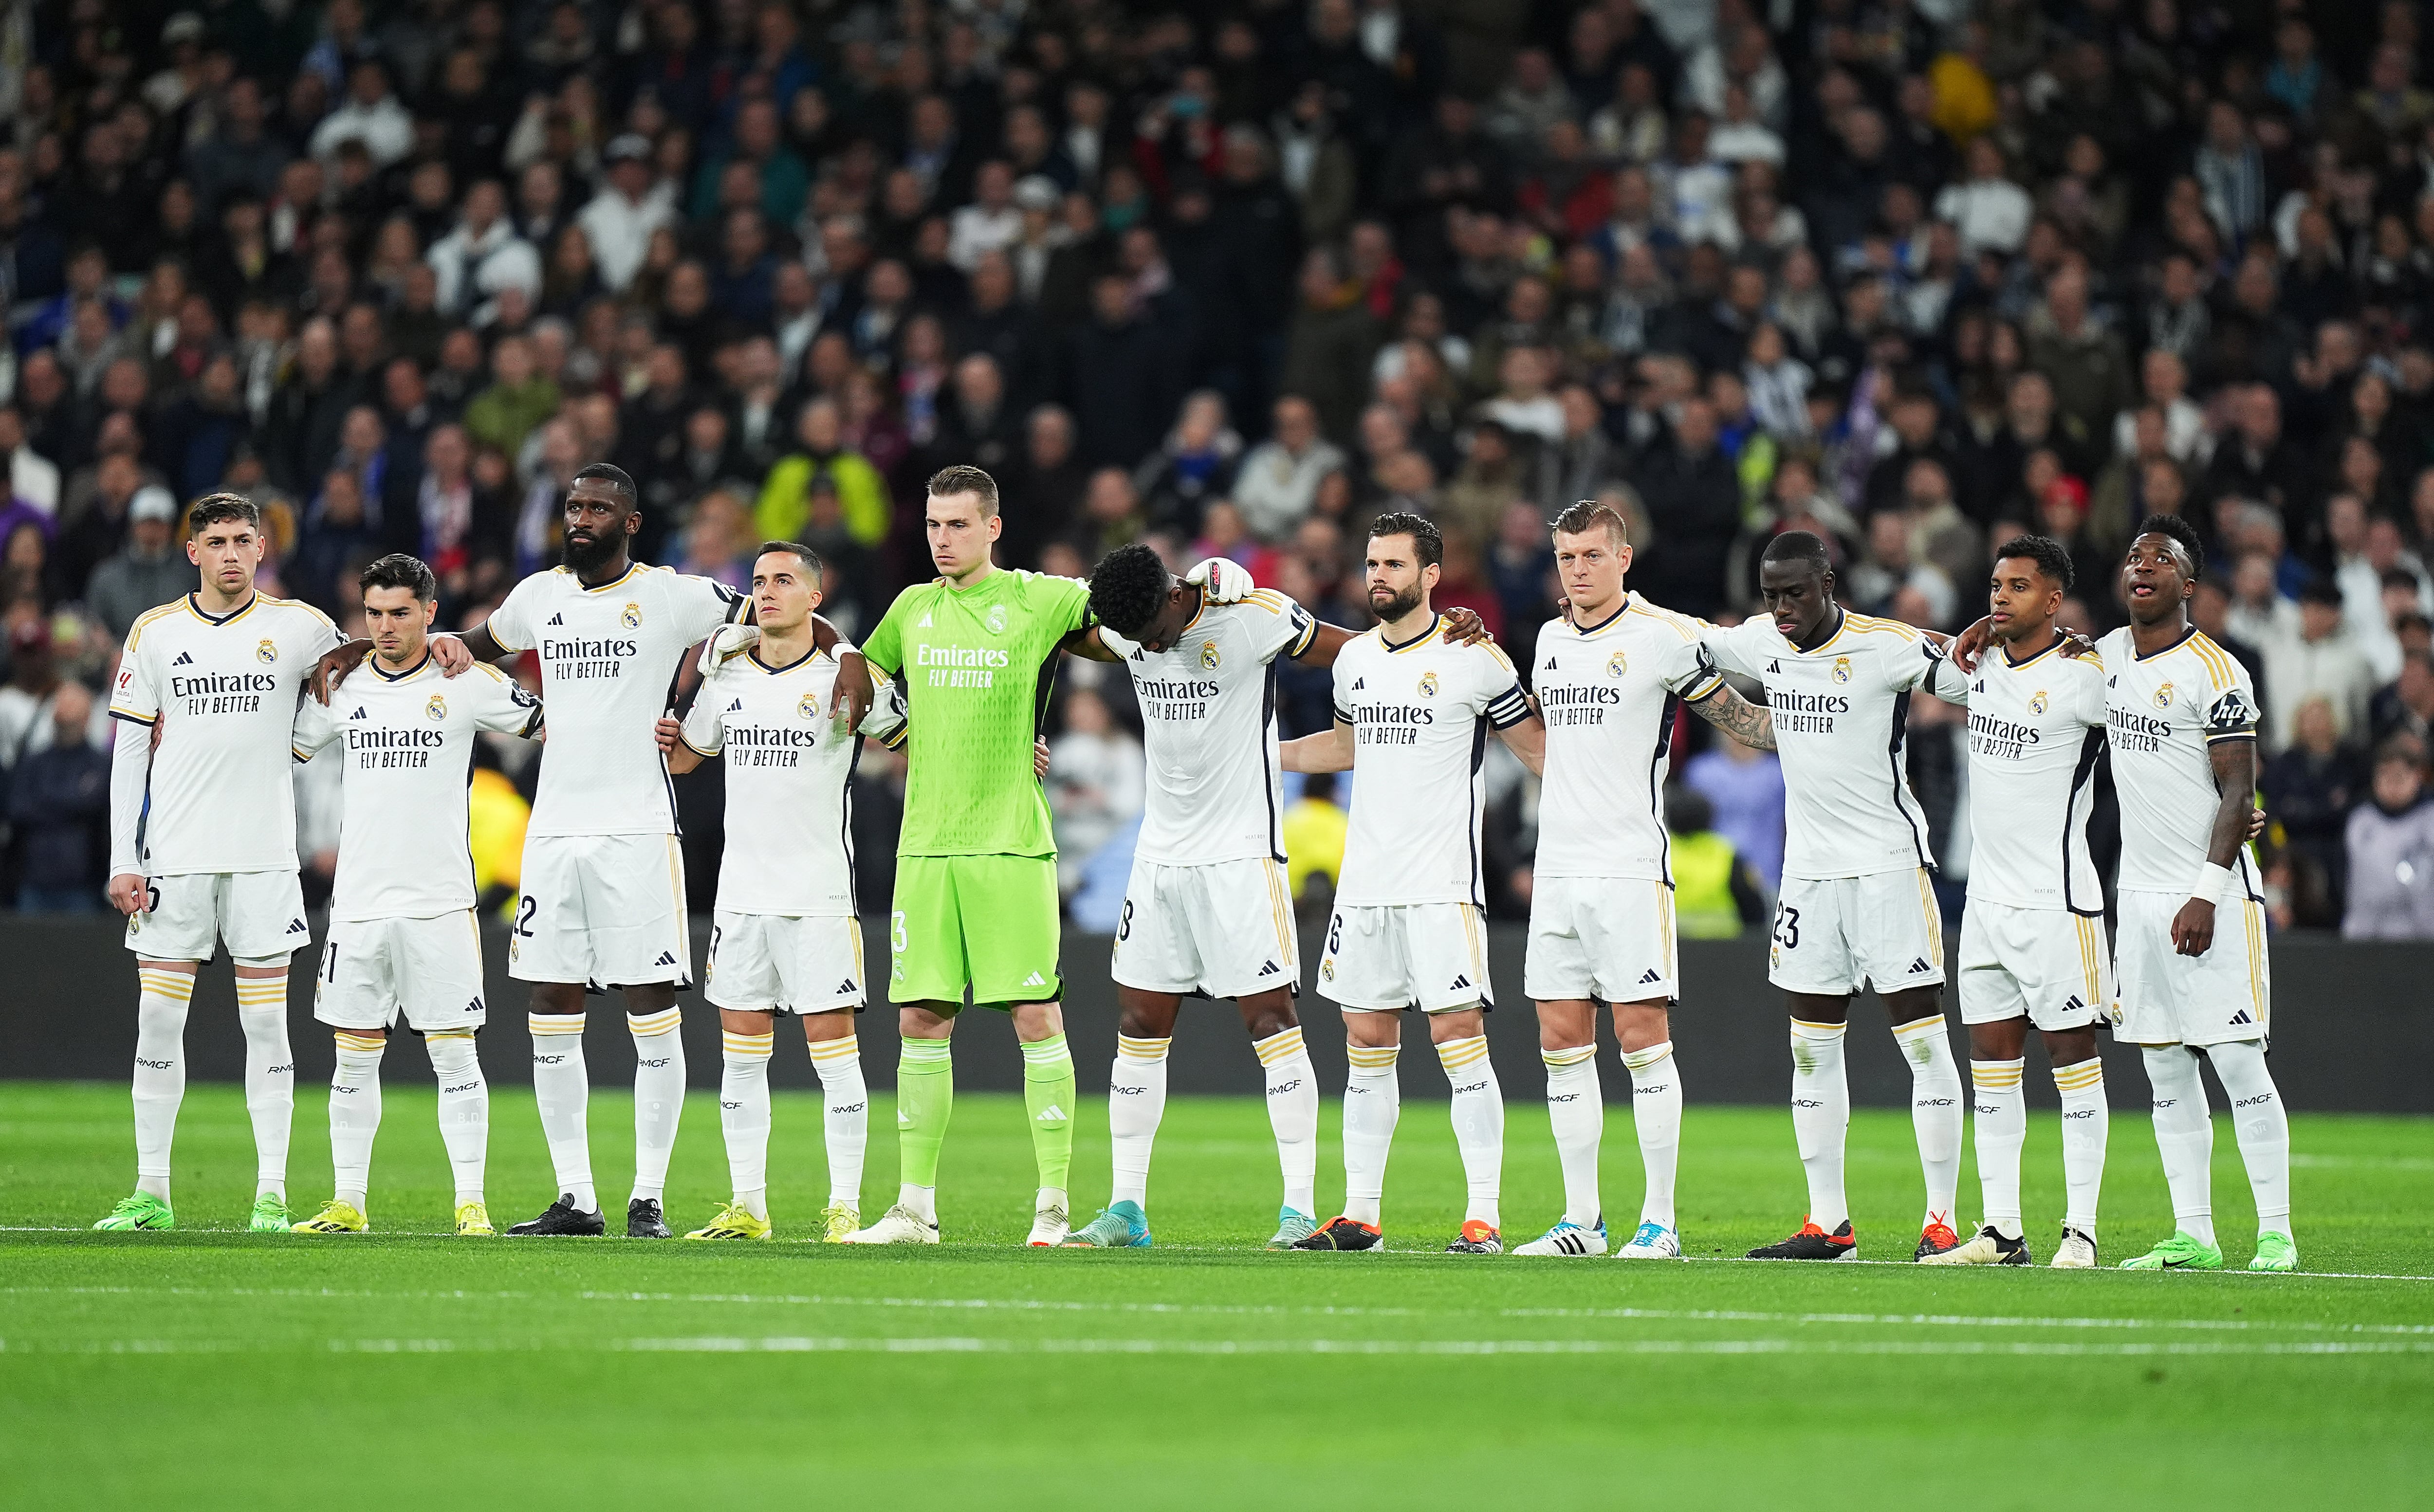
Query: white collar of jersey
point(195, 602)
point(2135, 655)
point(1620, 609)
point(631, 568)
point(755, 654)
point(373, 662)
point(1434, 620)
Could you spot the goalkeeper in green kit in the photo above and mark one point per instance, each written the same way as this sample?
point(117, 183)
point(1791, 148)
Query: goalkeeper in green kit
point(974, 652)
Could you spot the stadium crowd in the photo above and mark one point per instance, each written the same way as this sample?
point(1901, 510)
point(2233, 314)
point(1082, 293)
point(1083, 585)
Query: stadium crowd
point(1915, 275)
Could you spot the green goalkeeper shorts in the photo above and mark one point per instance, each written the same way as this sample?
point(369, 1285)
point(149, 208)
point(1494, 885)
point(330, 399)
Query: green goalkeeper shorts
point(986, 923)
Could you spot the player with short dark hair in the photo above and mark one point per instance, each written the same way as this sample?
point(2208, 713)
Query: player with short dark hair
point(1857, 906)
point(403, 939)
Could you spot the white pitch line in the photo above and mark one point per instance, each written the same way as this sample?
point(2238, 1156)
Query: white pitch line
point(809, 1344)
point(1026, 1305)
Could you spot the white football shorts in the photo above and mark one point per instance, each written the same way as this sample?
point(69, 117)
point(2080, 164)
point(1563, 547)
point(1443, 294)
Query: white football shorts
point(429, 969)
point(1429, 956)
point(1606, 938)
point(1834, 934)
point(260, 914)
point(2165, 997)
point(764, 962)
point(1225, 930)
point(2048, 966)
point(607, 911)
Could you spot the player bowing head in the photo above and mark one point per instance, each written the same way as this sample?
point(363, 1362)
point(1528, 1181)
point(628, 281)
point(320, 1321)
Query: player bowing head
point(1592, 554)
point(2160, 574)
point(961, 521)
point(400, 597)
point(1133, 595)
point(1796, 578)
point(1405, 560)
point(2032, 575)
point(785, 586)
point(603, 512)
point(226, 542)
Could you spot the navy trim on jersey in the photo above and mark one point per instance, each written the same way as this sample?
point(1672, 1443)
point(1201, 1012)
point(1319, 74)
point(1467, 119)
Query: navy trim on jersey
point(2091, 751)
point(1901, 784)
point(399, 677)
point(1590, 630)
point(135, 719)
point(1656, 761)
point(1267, 775)
point(1470, 826)
point(195, 602)
point(1434, 620)
point(2185, 633)
point(755, 654)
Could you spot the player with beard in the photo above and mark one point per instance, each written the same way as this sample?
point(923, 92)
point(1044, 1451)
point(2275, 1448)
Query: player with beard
point(602, 893)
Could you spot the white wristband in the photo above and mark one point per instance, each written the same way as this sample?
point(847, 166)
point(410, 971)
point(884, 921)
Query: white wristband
point(2212, 882)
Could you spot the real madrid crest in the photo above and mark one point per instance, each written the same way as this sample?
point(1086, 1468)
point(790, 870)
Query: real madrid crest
point(1617, 665)
point(1209, 658)
point(2037, 705)
point(996, 619)
point(265, 652)
point(1428, 685)
point(808, 705)
point(436, 708)
point(1842, 668)
point(631, 617)
point(2163, 696)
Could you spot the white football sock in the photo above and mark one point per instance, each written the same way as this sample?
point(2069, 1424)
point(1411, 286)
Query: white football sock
point(1576, 1113)
point(354, 1115)
point(845, 1118)
point(1656, 1114)
point(1291, 1085)
point(269, 1077)
point(744, 1118)
point(159, 1080)
point(1135, 1102)
point(1821, 1118)
point(2086, 1124)
point(2184, 1137)
point(2262, 1126)
point(1478, 1125)
point(562, 1090)
point(2001, 1109)
point(921, 1202)
point(464, 1109)
point(1373, 1100)
point(658, 1097)
point(1934, 1111)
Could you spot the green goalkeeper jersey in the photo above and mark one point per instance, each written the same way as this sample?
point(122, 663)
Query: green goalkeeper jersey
point(976, 665)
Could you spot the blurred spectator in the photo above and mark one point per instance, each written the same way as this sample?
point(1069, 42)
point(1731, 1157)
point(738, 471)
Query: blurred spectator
point(148, 571)
point(1278, 480)
point(2322, 659)
point(1745, 786)
point(2390, 844)
point(820, 455)
point(1315, 827)
point(29, 700)
point(58, 811)
point(1716, 893)
point(1096, 783)
point(2309, 789)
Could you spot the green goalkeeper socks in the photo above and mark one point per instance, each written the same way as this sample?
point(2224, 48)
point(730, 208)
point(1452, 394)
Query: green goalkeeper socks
point(1048, 1095)
point(925, 1102)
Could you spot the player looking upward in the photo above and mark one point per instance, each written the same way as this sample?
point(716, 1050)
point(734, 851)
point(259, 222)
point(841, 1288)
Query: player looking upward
point(785, 940)
point(402, 935)
point(2180, 715)
point(1608, 678)
point(2033, 944)
point(1411, 717)
point(976, 902)
point(602, 892)
point(1207, 909)
point(1856, 906)
point(202, 840)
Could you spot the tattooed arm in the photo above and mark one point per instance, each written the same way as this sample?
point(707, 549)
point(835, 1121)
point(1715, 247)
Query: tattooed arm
point(1752, 724)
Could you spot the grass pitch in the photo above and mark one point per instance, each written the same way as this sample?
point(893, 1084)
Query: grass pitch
point(212, 1368)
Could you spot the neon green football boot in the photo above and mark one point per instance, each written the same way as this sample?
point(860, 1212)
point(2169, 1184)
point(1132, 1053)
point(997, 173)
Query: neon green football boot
point(141, 1211)
point(734, 1221)
point(473, 1221)
point(269, 1215)
point(334, 1218)
point(2275, 1252)
point(838, 1222)
point(2182, 1251)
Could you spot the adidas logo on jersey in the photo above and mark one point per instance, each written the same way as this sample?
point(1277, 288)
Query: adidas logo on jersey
point(1650, 975)
point(1459, 983)
point(924, 624)
point(1919, 965)
point(843, 987)
point(359, 713)
point(185, 659)
point(667, 959)
point(1035, 980)
point(2241, 1017)
point(474, 1007)
point(558, 620)
point(736, 707)
point(296, 927)
point(2074, 1005)
point(1270, 969)
point(1359, 683)
point(1776, 666)
point(1550, 664)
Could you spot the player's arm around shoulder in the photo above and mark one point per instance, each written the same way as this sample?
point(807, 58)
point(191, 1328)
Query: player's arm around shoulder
point(1508, 708)
point(1330, 750)
point(701, 734)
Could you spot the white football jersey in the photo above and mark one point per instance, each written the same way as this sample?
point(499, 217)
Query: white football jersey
point(223, 691)
point(788, 780)
point(1208, 723)
point(1607, 693)
point(2162, 713)
point(1841, 715)
point(608, 661)
point(1420, 714)
point(2037, 729)
point(404, 846)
